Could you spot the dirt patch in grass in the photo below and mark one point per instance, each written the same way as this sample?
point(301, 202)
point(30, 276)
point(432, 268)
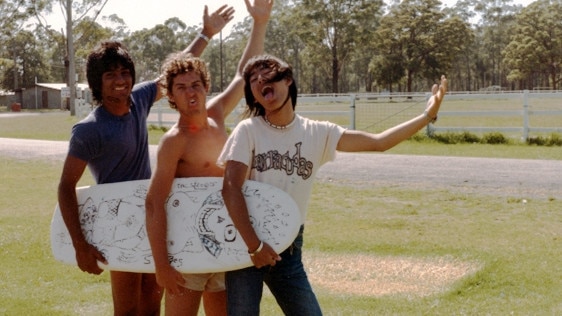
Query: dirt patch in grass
point(368, 275)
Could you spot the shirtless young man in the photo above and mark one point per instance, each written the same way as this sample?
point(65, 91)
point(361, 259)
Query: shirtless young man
point(190, 149)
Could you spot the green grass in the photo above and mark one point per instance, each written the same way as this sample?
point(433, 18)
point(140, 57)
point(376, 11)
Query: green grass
point(518, 245)
point(49, 125)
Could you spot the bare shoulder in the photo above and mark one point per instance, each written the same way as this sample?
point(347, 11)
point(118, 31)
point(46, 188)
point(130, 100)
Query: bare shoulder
point(173, 141)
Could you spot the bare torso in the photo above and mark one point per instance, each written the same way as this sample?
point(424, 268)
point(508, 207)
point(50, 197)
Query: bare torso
point(200, 150)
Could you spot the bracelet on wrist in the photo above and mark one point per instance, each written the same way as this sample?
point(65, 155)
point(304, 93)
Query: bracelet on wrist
point(429, 118)
point(204, 37)
point(260, 247)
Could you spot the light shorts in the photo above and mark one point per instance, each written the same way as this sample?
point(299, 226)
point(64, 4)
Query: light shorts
point(210, 282)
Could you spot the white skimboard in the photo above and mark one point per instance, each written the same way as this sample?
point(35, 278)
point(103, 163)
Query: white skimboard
point(201, 236)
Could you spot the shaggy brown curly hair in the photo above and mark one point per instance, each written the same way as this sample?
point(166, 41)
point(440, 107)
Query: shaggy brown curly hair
point(180, 63)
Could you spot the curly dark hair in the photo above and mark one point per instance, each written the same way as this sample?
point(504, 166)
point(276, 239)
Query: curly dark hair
point(105, 57)
point(279, 70)
point(179, 63)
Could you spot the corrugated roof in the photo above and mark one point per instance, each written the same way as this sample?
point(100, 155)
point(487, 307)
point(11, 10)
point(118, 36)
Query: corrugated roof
point(58, 86)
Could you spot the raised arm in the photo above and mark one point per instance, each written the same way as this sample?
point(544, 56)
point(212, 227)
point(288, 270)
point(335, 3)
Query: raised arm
point(212, 24)
point(353, 141)
point(224, 103)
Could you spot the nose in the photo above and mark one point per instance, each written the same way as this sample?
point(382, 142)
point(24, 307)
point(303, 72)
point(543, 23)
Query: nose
point(190, 90)
point(262, 78)
point(120, 77)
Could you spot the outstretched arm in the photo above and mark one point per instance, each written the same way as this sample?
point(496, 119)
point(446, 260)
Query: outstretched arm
point(220, 106)
point(353, 141)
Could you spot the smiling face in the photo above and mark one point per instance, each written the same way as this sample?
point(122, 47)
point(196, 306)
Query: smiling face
point(117, 84)
point(105, 58)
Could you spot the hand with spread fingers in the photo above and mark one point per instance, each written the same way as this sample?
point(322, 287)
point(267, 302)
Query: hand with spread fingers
point(214, 23)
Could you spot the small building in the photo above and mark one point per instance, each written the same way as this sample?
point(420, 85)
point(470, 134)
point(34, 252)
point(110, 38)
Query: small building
point(48, 96)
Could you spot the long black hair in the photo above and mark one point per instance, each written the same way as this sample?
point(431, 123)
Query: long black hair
point(279, 70)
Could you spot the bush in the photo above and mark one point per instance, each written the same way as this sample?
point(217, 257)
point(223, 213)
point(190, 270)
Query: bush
point(552, 140)
point(494, 138)
point(456, 138)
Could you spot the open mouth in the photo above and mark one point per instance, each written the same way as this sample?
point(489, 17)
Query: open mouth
point(267, 92)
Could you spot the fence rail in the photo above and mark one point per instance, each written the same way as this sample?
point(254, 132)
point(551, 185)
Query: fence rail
point(351, 110)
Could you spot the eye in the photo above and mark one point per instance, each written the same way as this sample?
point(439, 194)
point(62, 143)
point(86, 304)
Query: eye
point(229, 233)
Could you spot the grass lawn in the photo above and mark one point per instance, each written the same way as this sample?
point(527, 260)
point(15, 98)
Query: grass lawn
point(384, 251)
point(368, 251)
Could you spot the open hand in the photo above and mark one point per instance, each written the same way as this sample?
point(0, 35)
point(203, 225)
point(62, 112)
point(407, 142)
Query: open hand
point(438, 93)
point(214, 23)
point(260, 10)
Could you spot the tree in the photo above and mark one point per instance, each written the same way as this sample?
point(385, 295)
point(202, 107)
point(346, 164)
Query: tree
point(149, 47)
point(497, 17)
point(416, 38)
point(535, 48)
point(331, 28)
point(13, 17)
point(29, 63)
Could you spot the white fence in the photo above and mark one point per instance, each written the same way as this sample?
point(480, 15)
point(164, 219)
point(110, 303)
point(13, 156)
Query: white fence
point(523, 104)
point(528, 100)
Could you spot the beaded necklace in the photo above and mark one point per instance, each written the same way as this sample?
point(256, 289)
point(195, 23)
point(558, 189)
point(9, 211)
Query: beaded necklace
point(280, 127)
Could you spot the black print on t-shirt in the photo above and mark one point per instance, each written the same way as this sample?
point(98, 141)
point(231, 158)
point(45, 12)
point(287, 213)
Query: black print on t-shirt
point(290, 164)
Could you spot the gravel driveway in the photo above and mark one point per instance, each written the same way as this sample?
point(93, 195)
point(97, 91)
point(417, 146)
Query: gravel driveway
point(519, 178)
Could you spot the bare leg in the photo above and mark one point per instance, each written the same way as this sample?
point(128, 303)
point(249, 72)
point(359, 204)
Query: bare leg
point(186, 303)
point(135, 293)
point(151, 295)
point(214, 303)
point(125, 288)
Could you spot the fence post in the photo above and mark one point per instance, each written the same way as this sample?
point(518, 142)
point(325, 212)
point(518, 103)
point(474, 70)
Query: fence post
point(428, 129)
point(352, 112)
point(525, 115)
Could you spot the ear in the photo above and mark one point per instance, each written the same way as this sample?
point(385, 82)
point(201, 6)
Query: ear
point(170, 97)
point(289, 81)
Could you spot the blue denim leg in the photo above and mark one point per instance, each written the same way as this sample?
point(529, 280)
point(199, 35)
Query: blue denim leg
point(244, 290)
point(289, 283)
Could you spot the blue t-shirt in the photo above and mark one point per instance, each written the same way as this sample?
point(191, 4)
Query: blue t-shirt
point(116, 147)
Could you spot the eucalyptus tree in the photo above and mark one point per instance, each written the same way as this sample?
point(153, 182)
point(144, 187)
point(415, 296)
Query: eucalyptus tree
point(283, 35)
point(496, 19)
point(14, 15)
point(463, 66)
point(534, 53)
point(416, 41)
point(29, 60)
point(149, 47)
point(332, 30)
point(87, 34)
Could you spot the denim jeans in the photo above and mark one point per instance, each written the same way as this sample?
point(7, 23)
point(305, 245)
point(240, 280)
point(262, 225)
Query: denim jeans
point(286, 280)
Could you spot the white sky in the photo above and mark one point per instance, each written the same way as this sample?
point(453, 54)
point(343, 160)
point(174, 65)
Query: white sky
point(139, 14)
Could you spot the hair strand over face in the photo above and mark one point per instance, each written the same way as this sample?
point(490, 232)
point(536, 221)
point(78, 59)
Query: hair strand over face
point(280, 69)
